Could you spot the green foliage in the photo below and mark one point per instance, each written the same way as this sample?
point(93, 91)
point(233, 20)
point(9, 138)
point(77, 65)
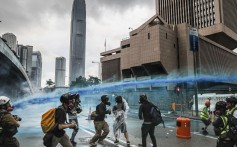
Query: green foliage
point(49, 82)
point(83, 82)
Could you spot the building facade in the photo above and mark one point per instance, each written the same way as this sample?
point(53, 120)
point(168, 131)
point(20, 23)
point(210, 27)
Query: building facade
point(157, 48)
point(25, 54)
point(78, 40)
point(215, 19)
point(36, 71)
point(11, 41)
point(60, 72)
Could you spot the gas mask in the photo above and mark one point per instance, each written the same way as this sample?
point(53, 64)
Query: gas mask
point(9, 106)
point(70, 105)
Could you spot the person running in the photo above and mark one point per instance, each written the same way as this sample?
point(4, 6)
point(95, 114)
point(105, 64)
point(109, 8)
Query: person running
point(147, 126)
point(72, 115)
point(120, 113)
point(8, 124)
point(100, 123)
point(59, 135)
point(205, 116)
point(221, 126)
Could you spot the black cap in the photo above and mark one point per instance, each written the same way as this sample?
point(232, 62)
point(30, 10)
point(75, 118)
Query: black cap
point(231, 100)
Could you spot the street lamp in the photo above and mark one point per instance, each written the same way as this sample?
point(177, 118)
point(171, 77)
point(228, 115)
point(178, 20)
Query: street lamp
point(99, 69)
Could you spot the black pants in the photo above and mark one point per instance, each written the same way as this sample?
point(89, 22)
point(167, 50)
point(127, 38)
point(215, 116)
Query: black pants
point(9, 142)
point(148, 128)
point(222, 143)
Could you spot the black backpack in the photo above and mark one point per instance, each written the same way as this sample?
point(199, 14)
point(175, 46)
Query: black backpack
point(156, 117)
point(232, 122)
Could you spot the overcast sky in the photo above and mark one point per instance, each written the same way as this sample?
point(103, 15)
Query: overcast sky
point(45, 24)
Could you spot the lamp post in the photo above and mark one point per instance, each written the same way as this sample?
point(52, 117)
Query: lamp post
point(99, 69)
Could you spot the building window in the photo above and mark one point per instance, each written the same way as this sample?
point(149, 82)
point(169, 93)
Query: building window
point(166, 35)
point(148, 36)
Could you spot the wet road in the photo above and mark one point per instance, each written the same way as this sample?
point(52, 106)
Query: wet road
point(166, 137)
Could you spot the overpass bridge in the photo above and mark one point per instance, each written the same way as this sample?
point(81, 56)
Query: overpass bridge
point(14, 81)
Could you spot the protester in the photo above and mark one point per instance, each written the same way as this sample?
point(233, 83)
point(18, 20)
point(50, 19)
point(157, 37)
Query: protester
point(8, 124)
point(221, 126)
point(231, 106)
point(205, 116)
point(147, 126)
point(120, 113)
point(72, 115)
point(190, 104)
point(232, 109)
point(59, 135)
point(100, 123)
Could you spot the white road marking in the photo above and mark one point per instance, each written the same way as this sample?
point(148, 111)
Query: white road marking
point(107, 140)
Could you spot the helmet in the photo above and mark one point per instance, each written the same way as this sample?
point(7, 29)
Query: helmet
point(232, 100)
point(220, 105)
point(118, 99)
point(207, 102)
point(65, 98)
point(105, 99)
point(4, 100)
point(142, 98)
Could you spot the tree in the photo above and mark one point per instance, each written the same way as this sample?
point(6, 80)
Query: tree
point(93, 81)
point(49, 82)
point(83, 82)
point(79, 83)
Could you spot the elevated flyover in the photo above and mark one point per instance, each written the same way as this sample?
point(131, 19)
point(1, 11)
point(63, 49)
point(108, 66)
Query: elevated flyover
point(14, 81)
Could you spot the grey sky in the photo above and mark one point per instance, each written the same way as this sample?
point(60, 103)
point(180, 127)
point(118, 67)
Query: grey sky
point(45, 24)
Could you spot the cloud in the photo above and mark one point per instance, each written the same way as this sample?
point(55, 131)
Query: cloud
point(45, 24)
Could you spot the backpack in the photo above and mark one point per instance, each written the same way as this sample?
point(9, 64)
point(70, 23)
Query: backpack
point(48, 120)
point(232, 122)
point(156, 117)
point(93, 115)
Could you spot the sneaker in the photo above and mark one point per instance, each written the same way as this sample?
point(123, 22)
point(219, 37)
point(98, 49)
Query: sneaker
point(101, 142)
point(92, 143)
point(204, 132)
point(128, 143)
point(116, 141)
point(73, 142)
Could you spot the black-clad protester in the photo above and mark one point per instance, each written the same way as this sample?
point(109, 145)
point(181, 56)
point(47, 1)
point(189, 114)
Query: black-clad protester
point(59, 135)
point(147, 126)
point(221, 126)
point(100, 123)
point(72, 115)
point(8, 124)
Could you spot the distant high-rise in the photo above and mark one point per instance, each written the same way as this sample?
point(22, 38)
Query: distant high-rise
point(60, 71)
point(11, 41)
point(36, 71)
point(78, 40)
point(25, 53)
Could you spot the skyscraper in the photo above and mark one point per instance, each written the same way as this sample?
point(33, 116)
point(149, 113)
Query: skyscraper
point(60, 71)
point(11, 41)
point(78, 40)
point(36, 71)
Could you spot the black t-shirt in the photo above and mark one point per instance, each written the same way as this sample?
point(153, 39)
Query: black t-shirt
point(100, 111)
point(60, 118)
point(144, 111)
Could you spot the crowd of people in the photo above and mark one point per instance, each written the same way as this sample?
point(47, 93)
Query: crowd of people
point(224, 122)
point(225, 116)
